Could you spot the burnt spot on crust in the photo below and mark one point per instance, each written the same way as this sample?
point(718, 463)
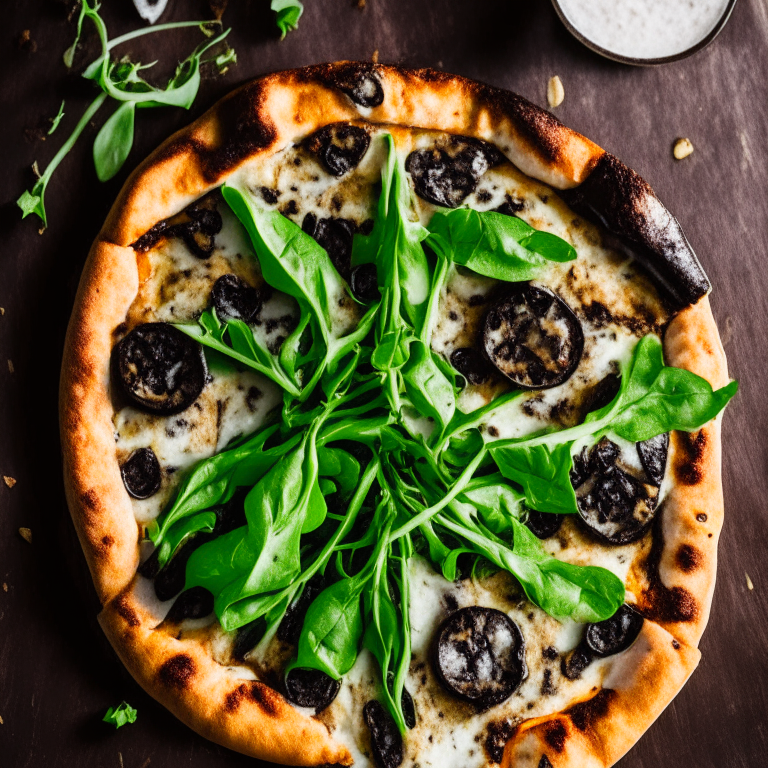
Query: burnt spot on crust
point(358, 80)
point(107, 540)
point(689, 457)
point(177, 671)
point(616, 197)
point(688, 558)
point(89, 499)
point(657, 601)
point(262, 695)
point(498, 733)
point(555, 735)
point(585, 714)
point(125, 611)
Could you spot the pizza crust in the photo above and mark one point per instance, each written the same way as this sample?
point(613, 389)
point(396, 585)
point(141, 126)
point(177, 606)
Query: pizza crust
point(259, 119)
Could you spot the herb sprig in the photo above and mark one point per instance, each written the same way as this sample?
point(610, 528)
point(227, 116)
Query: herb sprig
point(121, 82)
point(347, 483)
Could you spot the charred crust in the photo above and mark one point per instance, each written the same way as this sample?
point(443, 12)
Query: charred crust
point(498, 733)
point(689, 457)
point(125, 611)
point(657, 601)
point(89, 499)
point(616, 197)
point(555, 735)
point(688, 558)
point(585, 714)
point(177, 671)
point(360, 81)
point(264, 697)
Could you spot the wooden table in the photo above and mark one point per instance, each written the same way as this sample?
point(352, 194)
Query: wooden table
point(57, 673)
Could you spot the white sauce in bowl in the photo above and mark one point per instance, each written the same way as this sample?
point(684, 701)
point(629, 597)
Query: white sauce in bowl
point(644, 29)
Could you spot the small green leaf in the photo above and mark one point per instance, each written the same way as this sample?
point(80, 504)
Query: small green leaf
point(287, 15)
point(120, 715)
point(56, 120)
point(114, 141)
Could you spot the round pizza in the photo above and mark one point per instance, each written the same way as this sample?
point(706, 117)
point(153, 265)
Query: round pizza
point(390, 420)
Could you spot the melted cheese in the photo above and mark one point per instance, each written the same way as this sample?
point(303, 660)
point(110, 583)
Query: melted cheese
point(615, 304)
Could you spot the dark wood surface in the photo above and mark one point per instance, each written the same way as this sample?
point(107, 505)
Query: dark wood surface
point(57, 673)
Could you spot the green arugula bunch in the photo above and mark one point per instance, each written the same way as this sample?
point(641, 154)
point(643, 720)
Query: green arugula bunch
point(122, 82)
point(120, 715)
point(371, 460)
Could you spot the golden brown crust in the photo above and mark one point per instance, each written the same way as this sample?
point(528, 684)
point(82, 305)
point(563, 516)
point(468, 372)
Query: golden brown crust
point(221, 703)
point(259, 119)
point(596, 732)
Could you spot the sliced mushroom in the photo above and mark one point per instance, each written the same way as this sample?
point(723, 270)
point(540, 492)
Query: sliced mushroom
point(311, 688)
point(471, 364)
point(360, 82)
point(533, 338)
point(198, 225)
point(159, 368)
point(653, 456)
point(364, 284)
point(446, 175)
point(340, 147)
point(193, 603)
point(234, 299)
point(613, 503)
point(543, 524)
point(386, 742)
point(141, 473)
point(616, 634)
point(480, 656)
point(335, 235)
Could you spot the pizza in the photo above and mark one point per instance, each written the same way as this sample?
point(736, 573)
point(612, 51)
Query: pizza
point(390, 417)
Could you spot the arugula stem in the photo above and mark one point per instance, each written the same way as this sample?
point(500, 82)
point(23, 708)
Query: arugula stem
point(430, 512)
point(159, 28)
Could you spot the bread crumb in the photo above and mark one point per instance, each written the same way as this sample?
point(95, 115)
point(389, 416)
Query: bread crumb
point(120, 758)
point(146, 762)
point(5, 587)
point(361, 4)
point(375, 57)
point(9, 481)
point(682, 148)
point(555, 91)
point(750, 585)
point(1, 721)
point(10, 366)
point(26, 534)
point(2, 311)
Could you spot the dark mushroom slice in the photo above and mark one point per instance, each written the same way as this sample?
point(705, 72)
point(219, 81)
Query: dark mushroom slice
point(311, 688)
point(289, 629)
point(445, 176)
point(533, 337)
point(653, 456)
point(602, 393)
point(386, 742)
point(193, 603)
point(360, 82)
point(471, 364)
point(234, 299)
point(510, 206)
point(543, 524)
point(335, 236)
point(480, 656)
point(340, 147)
point(141, 473)
point(159, 368)
point(248, 637)
point(575, 662)
point(615, 505)
point(616, 634)
point(364, 283)
point(409, 709)
point(197, 225)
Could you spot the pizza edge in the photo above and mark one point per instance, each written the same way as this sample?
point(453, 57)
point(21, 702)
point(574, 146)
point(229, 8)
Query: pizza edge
point(261, 118)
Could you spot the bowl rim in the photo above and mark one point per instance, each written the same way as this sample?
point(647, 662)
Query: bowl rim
point(641, 62)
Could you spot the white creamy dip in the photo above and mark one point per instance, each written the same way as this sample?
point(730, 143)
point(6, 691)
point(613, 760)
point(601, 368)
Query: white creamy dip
point(644, 29)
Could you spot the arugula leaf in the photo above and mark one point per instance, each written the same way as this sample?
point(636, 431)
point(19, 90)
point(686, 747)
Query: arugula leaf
point(120, 715)
point(494, 244)
point(114, 141)
point(426, 385)
point(287, 15)
point(121, 82)
point(653, 399)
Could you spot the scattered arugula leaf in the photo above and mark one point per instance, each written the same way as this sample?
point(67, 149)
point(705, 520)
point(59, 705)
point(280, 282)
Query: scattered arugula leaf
point(56, 120)
point(120, 715)
point(287, 15)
